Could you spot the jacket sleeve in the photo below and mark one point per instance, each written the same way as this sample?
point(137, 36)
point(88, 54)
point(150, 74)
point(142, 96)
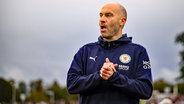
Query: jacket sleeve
point(77, 81)
point(141, 85)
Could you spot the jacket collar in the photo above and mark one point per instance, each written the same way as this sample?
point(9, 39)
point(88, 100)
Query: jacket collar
point(108, 45)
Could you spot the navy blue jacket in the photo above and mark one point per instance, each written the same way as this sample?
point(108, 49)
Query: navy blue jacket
point(131, 82)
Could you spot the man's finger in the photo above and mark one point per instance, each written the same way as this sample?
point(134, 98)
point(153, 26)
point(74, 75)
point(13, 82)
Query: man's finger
point(115, 65)
point(107, 60)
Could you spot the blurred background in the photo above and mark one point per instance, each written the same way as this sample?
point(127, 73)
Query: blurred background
point(38, 39)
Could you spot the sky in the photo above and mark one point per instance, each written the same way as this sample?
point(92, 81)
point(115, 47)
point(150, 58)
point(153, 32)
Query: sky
point(38, 38)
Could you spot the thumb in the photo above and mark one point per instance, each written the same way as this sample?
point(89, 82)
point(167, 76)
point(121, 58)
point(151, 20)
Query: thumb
point(107, 60)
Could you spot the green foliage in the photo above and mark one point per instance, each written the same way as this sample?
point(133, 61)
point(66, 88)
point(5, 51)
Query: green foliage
point(36, 85)
point(5, 91)
point(22, 87)
point(160, 85)
point(73, 97)
point(37, 92)
point(38, 96)
point(61, 93)
point(68, 96)
point(57, 91)
point(180, 39)
point(180, 88)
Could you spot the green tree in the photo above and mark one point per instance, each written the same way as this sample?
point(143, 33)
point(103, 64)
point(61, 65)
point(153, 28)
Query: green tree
point(68, 97)
point(37, 92)
point(36, 85)
point(22, 87)
point(180, 88)
point(56, 90)
point(180, 39)
point(5, 91)
point(160, 85)
point(61, 93)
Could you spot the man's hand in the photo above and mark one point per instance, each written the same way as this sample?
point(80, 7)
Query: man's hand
point(107, 69)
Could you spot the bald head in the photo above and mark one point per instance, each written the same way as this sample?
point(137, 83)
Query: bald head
point(112, 20)
point(120, 9)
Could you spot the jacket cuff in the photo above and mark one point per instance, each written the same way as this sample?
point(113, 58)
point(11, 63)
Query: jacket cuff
point(114, 77)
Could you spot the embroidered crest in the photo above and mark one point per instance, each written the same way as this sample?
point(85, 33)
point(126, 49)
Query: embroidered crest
point(125, 58)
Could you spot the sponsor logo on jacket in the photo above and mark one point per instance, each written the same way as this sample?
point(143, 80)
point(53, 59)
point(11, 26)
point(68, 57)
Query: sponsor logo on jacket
point(123, 67)
point(146, 65)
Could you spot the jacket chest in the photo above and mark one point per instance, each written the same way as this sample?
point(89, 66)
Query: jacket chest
point(124, 59)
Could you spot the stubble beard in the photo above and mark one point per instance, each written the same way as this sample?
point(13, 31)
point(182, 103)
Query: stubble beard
point(107, 36)
point(110, 35)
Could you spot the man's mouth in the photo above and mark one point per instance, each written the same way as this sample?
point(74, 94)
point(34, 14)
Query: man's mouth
point(103, 28)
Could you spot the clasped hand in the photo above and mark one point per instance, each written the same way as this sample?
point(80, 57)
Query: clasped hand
point(107, 69)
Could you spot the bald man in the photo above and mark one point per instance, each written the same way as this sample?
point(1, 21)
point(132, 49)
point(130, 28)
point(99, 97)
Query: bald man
point(113, 70)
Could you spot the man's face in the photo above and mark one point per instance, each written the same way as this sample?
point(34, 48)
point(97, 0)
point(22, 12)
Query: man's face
point(110, 22)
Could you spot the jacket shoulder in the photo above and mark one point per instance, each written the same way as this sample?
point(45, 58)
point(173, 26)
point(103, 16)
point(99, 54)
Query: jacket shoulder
point(92, 44)
point(136, 45)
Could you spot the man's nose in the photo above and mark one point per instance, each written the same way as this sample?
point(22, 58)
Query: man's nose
point(102, 19)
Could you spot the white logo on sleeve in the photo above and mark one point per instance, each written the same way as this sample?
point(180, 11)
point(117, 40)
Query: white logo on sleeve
point(146, 64)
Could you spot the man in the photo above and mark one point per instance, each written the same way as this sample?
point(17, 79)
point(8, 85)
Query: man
point(113, 70)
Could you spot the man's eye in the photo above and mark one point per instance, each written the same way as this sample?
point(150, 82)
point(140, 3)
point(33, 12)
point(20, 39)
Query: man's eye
point(108, 15)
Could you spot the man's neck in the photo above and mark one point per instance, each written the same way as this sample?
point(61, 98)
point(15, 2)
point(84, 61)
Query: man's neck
point(113, 38)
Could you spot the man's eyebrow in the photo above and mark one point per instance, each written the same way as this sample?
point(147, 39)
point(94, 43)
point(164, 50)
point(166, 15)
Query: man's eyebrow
point(106, 13)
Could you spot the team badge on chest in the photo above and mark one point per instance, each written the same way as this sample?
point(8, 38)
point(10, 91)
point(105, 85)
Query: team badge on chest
point(125, 58)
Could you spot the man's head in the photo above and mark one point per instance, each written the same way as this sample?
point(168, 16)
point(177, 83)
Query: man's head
point(112, 20)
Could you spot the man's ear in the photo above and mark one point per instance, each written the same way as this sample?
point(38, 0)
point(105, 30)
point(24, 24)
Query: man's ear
point(122, 21)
